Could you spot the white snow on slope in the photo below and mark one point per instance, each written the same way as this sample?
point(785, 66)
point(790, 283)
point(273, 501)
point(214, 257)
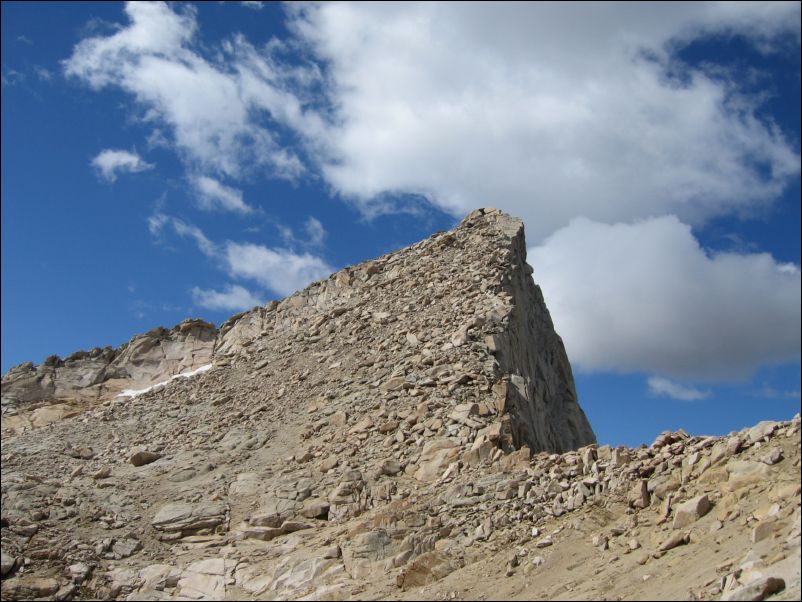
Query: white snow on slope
point(135, 392)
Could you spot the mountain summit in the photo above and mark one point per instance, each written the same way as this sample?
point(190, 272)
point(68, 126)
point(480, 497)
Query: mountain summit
point(406, 428)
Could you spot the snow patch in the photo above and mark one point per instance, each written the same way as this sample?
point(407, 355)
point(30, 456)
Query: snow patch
point(135, 392)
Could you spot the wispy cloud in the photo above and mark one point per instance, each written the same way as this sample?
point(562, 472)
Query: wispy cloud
point(768, 392)
point(110, 162)
point(214, 195)
point(12, 77)
point(668, 388)
point(158, 221)
point(43, 73)
point(315, 231)
point(232, 298)
point(277, 269)
point(314, 234)
point(253, 4)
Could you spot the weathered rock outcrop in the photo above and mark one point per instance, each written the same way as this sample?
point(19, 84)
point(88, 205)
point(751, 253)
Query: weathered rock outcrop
point(538, 392)
point(101, 373)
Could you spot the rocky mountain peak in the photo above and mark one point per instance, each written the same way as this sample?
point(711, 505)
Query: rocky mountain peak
point(407, 427)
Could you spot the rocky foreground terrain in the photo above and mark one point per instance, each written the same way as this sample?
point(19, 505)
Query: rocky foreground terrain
point(406, 429)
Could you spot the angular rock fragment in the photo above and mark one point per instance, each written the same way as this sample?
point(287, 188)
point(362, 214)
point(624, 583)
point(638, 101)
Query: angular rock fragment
point(189, 518)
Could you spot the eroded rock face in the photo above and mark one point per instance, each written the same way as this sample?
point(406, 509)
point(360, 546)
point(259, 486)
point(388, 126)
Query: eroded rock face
point(538, 391)
point(101, 373)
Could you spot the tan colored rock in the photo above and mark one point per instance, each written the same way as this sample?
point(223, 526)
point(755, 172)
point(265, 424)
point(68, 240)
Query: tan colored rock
point(759, 589)
point(186, 518)
point(674, 540)
point(329, 463)
point(784, 491)
point(639, 496)
point(743, 473)
point(425, 569)
point(762, 531)
point(315, 508)
point(29, 587)
point(690, 511)
point(143, 457)
point(517, 460)
point(436, 457)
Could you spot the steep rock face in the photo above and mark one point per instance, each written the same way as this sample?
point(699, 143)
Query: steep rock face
point(89, 375)
point(539, 395)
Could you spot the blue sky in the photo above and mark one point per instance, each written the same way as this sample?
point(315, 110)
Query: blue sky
point(161, 161)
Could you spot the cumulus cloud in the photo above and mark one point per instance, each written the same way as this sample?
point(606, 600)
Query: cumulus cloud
point(204, 106)
point(233, 298)
point(280, 270)
point(476, 105)
point(214, 195)
point(668, 388)
point(110, 162)
point(771, 393)
point(495, 104)
point(646, 297)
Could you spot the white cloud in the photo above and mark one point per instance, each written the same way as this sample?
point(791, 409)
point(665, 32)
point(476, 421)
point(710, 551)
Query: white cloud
point(43, 73)
point(645, 297)
point(253, 4)
point(214, 195)
point(771, 393)
point(315, 231)
point(205, 106)
point(233, 298)
point(158, 221)
point(668, 388)
point(110, 162)
point(315, 234)
point(279, 270)
point(548, 111)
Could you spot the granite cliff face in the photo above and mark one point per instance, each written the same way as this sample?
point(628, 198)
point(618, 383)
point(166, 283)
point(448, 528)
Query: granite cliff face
point(407, 428)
